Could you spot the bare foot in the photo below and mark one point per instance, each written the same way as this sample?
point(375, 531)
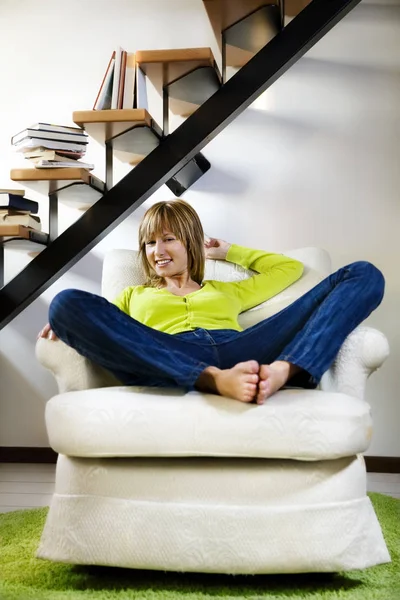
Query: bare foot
point(273, 377)
point(239, 383)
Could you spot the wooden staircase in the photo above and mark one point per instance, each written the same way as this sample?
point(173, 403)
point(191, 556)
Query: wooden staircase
point(190, 84)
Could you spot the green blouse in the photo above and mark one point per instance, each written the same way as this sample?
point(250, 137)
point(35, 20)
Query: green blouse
point(217, 304)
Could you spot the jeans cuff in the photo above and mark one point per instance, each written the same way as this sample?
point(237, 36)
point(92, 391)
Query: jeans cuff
point(305, 379)
point(190, 380)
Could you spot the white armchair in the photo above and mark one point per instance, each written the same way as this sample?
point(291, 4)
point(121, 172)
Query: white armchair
point(196, 482)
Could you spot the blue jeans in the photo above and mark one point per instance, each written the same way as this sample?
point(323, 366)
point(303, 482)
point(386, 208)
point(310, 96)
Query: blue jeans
point(308, 333)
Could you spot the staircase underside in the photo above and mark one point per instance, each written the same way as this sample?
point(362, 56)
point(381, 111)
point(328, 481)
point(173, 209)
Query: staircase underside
point(172, 154)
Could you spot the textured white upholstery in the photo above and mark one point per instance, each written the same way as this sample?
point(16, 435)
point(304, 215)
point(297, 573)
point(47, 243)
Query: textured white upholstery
point(293, 424)
point(159, 479)
point(213, 515)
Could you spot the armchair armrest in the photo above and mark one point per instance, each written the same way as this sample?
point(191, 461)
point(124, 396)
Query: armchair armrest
point(72, 371)
point(362, 353)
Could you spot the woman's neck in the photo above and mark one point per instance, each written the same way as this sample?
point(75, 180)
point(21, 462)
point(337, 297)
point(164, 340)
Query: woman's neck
point(180, 283)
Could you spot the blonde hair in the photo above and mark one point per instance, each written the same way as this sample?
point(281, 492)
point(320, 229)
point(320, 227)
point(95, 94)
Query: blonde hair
point(183, 221)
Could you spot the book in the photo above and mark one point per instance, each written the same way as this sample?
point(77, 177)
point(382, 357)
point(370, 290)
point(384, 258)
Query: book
point(52, 144)
point(103, 98)
point(18, 202)
point(129, 84)
point(104, 102)
point(122, 79)
point(48, 154)
point(141, 89)
point(19, 231)
point(42, 163)
point(49, 135)
point(14, 192)
point(19, 217)
point(59, 128)
point(117, 75)
point(40, 237)
point(55, 158)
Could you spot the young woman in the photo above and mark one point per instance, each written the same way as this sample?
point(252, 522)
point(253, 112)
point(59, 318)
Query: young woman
point(178, 330)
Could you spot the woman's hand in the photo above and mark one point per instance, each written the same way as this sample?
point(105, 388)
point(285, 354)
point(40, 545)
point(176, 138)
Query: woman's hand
point(47, 332)
point(216, 249)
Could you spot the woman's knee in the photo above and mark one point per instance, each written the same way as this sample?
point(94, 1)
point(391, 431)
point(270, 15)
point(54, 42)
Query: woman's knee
point(66, 302)
point(374, 279)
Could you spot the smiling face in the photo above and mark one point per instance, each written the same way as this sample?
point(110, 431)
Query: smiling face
point(171, 243)
point(167, 255)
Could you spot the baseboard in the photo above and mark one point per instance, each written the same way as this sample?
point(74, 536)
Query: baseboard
point(382, 464)
point(22, 454)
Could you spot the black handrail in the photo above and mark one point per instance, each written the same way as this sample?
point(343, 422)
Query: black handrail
point(172, 154)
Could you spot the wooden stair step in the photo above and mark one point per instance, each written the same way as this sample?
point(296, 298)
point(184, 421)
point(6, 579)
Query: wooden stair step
point(245, 38)
point(247, 26)
point(191, 75)
point(74, 186)
point(103, 125)
point(15, 191)
point(67, 174)
point(132, 132)
point(14, 230)
point(178, 61)
point(224, 13)
point(294, 7)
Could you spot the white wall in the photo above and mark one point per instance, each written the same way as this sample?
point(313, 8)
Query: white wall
point(314, 162)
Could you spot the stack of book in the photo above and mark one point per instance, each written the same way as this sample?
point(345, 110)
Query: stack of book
point(117, 90)
point(52, 146)
point(18, 218)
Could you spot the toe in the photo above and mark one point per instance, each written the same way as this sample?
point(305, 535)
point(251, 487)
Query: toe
point(262, 391)
point(249, 392)
point(252, 366)
point(251, 388)
point(265, 371)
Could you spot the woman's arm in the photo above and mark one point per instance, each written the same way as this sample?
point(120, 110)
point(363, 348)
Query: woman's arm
point(275, 272)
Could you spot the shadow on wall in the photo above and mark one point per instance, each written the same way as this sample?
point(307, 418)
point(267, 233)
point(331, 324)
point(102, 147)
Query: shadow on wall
point(372, 11)
point(256, 120)
point(322, 71)
point(20, 337)
point(221, 181)
point(89, 267)
point(30, 322)
point(368, 36)
point(319, 66)
point(21, 407)
point(318, 93)
point(257, 151)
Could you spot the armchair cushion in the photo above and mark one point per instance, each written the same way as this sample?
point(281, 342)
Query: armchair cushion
point(132, 421)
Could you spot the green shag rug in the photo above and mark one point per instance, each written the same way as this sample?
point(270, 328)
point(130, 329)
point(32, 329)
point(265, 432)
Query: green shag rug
point(24, 577)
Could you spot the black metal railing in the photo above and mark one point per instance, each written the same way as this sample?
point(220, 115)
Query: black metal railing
point(172, 154)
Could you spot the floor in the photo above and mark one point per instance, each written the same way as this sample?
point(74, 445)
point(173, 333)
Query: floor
point(31, 485)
